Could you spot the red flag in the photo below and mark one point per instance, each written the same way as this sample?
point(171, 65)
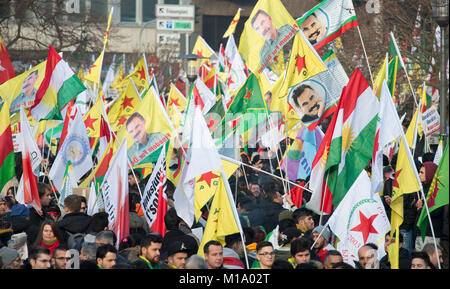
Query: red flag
point(6, 67)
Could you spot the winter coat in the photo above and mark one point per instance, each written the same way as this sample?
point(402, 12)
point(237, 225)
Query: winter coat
point(73, 223)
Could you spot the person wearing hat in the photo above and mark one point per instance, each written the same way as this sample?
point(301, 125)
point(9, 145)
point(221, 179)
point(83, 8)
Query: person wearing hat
point(10, 258)
point(178, 253)
point(322, 245)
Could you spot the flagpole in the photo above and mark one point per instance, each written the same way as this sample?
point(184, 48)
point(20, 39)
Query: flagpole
point(365, 54)
point(262, 171)
point(404, 67)
point(236, 216)
point(323, 198)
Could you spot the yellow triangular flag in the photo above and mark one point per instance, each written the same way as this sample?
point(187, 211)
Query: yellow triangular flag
point(221, 219)
point(176, 98)
point(140, 74)
point(233, 24)
point(124, 106)
point(94, 72)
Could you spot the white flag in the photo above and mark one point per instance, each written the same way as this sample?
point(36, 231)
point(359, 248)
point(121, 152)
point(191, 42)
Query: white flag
point(115, 193)
point(30, 152)
point(92, 205)
point(359, 219)
point(388, 131)
point(76, 149)
point(157, 180)
point(203, 158)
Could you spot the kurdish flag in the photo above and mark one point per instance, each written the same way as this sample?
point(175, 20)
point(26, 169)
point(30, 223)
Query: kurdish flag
point(59, 86)
point(7, 152)
point(347, 145)
point(327, 21)
point(438, 194)
point(6, 67)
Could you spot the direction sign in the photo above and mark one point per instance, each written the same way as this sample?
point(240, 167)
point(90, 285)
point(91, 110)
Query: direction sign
point(167, 38)
point(175, 25)
point(182, 11)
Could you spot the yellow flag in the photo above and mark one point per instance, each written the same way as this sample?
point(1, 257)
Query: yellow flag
point(124, 106)
point(267, 30)
point(201, 48)
point(175, 116)
point(94, 72)
point(414, 128)
point(303, 64)
point(92, 119)
point(140, 74)
point(80, 74)
point(147, 130)
point(20, 91)
point(118, 80)
point(405, 182)
point(381, 76)
point(175, 98)
point(105, 37)
point(233, 24)
point(221, 220)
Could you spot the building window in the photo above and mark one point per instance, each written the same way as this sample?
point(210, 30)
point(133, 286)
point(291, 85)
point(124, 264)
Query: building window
point(128, 11)
point(99, 10)
point(148, 10)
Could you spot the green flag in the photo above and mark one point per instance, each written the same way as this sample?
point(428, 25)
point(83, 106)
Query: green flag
point(437, 194)
point(248, 105)
point(394, 59)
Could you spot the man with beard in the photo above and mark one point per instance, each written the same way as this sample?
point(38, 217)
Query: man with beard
point(262, 23)
point(150, 252)
point(310, 104)
point(313, 29)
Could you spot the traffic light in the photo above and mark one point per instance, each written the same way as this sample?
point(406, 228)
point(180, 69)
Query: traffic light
point(197, 13)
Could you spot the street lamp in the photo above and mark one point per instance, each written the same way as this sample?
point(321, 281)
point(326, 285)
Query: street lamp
point(440, 15)
point(191, 66)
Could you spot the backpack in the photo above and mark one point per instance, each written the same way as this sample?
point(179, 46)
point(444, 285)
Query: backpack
point(75, 240)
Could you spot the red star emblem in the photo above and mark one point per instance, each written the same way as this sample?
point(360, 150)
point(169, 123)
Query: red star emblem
point(300, 63)
point(249, 93)
point(122, 121)
point(141, 73)
point(365, 226)
point(199, 53)
point(127, 102)
point(395, 182)
point(174, 101)
point(91, 68)
point(230, 81)
point(89, 122)
point(207, 177)
point(211, 123)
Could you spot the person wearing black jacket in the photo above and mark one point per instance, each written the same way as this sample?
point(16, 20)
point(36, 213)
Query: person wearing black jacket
point(404, 258)
point(74, 221)
point(272, 207)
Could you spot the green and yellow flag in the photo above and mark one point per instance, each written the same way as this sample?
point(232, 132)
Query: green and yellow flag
point(438, 193)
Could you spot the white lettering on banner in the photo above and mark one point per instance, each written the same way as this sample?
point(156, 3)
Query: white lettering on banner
point(155, 185)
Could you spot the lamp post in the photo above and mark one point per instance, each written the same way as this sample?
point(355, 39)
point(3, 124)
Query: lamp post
point(440, 15)
point(190, 66)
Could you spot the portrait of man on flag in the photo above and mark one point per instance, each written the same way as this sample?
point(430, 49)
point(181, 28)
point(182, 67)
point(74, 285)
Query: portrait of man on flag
point(147, 129)
point(26, 97)
point(268, 29)
point(136, 127)
point(315, 26)
point(262, 23)
point(308, 100)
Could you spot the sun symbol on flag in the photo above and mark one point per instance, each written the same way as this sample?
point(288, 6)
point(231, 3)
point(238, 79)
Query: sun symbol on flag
point(348, 137)
point(324, 160)
point(49, 98)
